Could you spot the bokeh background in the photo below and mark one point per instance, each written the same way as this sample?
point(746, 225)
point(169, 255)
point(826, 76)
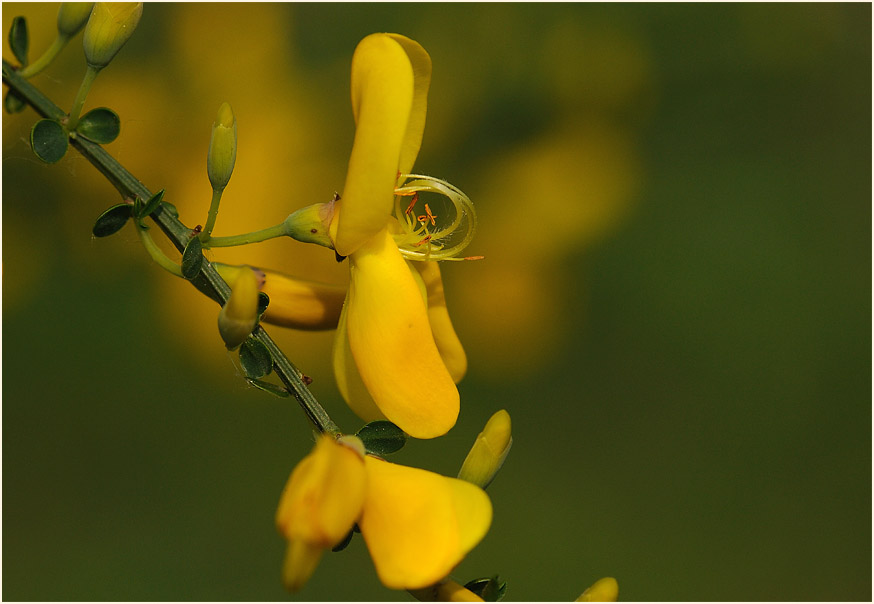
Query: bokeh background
point(674, 306)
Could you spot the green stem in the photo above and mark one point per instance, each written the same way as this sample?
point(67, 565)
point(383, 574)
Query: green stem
point(90, 74)
point(277, 230)
point(156, 253)
point(212, 215)
point(208, 280)
point(47, 57)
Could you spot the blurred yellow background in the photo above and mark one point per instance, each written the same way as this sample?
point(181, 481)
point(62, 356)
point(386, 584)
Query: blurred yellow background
point(674, 306)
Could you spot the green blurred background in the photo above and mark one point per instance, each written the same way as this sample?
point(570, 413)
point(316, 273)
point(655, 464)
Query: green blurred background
point(675, 305)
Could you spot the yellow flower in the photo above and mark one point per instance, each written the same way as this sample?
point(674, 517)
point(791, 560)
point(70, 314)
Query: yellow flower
point(417, 525)
point(396, 355)
point(239, 314)
point(295, 303)
point(108, 28)
point(602, 590)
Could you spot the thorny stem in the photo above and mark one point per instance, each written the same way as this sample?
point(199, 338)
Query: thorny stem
point(208, 280)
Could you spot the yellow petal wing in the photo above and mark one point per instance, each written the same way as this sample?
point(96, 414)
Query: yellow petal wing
point(419, 525)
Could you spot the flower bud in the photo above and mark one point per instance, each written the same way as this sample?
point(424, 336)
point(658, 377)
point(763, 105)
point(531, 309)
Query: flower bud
point(222, 148)
point(294, 303)
point(489, 451)
point(445, 591)
point(72, 16)
point(311, 224)
point(237, 317)
point(109, 27)
point(603, 590)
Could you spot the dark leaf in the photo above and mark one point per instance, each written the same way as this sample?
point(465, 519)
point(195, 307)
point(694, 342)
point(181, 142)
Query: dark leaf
point(13, 103)
point(192, 258)
point(112, 220)
point(263, 302)
point(255, 359)
point(150, 206)
point(344, 543)
point(18, 39)
point(100, 125)
point(271, 388)
point(490, 589)
point(48, 140)
point(382, 437)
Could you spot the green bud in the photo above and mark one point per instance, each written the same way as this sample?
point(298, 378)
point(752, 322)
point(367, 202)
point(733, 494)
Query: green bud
point(72, 16)
point(489, 451)
point(239, 314)
point(109, 27)
point(310, 224)
point(222, 148)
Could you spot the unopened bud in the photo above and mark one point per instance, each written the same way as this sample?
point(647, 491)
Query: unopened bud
point(222, 148)
point(72, 16)
point(489, 451)
point(603, 590)
point(311, 224)
point(239, 314)
point(109, 27)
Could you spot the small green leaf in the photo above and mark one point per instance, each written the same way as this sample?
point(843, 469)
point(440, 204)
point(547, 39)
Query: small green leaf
point(192, 258)
point(112, 220)
point(18, 39)
point(99, 125)
point(48, 140)
point(382, 437)
point(263, 302)
point(171, 209)
point(13, 103)
point(344, 543)
point(150, 206)
point(271, 388)
point(255, 358)
point(490, 589)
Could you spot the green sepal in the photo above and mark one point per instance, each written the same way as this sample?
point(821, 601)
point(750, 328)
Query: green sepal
point(263, 302)
point(344, 543)
point(141, 210)
point(490, 589)
point(18, 39)
point(13, 103)
point(271, 388)
point(192, 258)
point(112, 220)
point(100, 125)
point(382, 437)
point(255, 359)
point(48, 140)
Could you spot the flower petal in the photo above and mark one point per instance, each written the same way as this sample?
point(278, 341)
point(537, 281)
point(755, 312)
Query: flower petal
point(451, 350)
point(382, 97)
point(347, 377)
point(419, 525)
point(323, 496)
point(391, 341)
point(421, 64)
point(300, 562)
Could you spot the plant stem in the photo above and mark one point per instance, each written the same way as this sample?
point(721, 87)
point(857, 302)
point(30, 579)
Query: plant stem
point(277, 230)
point(47, 57)
point(90, 74)
point(212, 215)
point(156, 253)
point(208, 280)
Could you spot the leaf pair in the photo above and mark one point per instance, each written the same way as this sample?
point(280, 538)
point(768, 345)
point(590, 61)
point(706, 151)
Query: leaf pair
point(49, 140)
